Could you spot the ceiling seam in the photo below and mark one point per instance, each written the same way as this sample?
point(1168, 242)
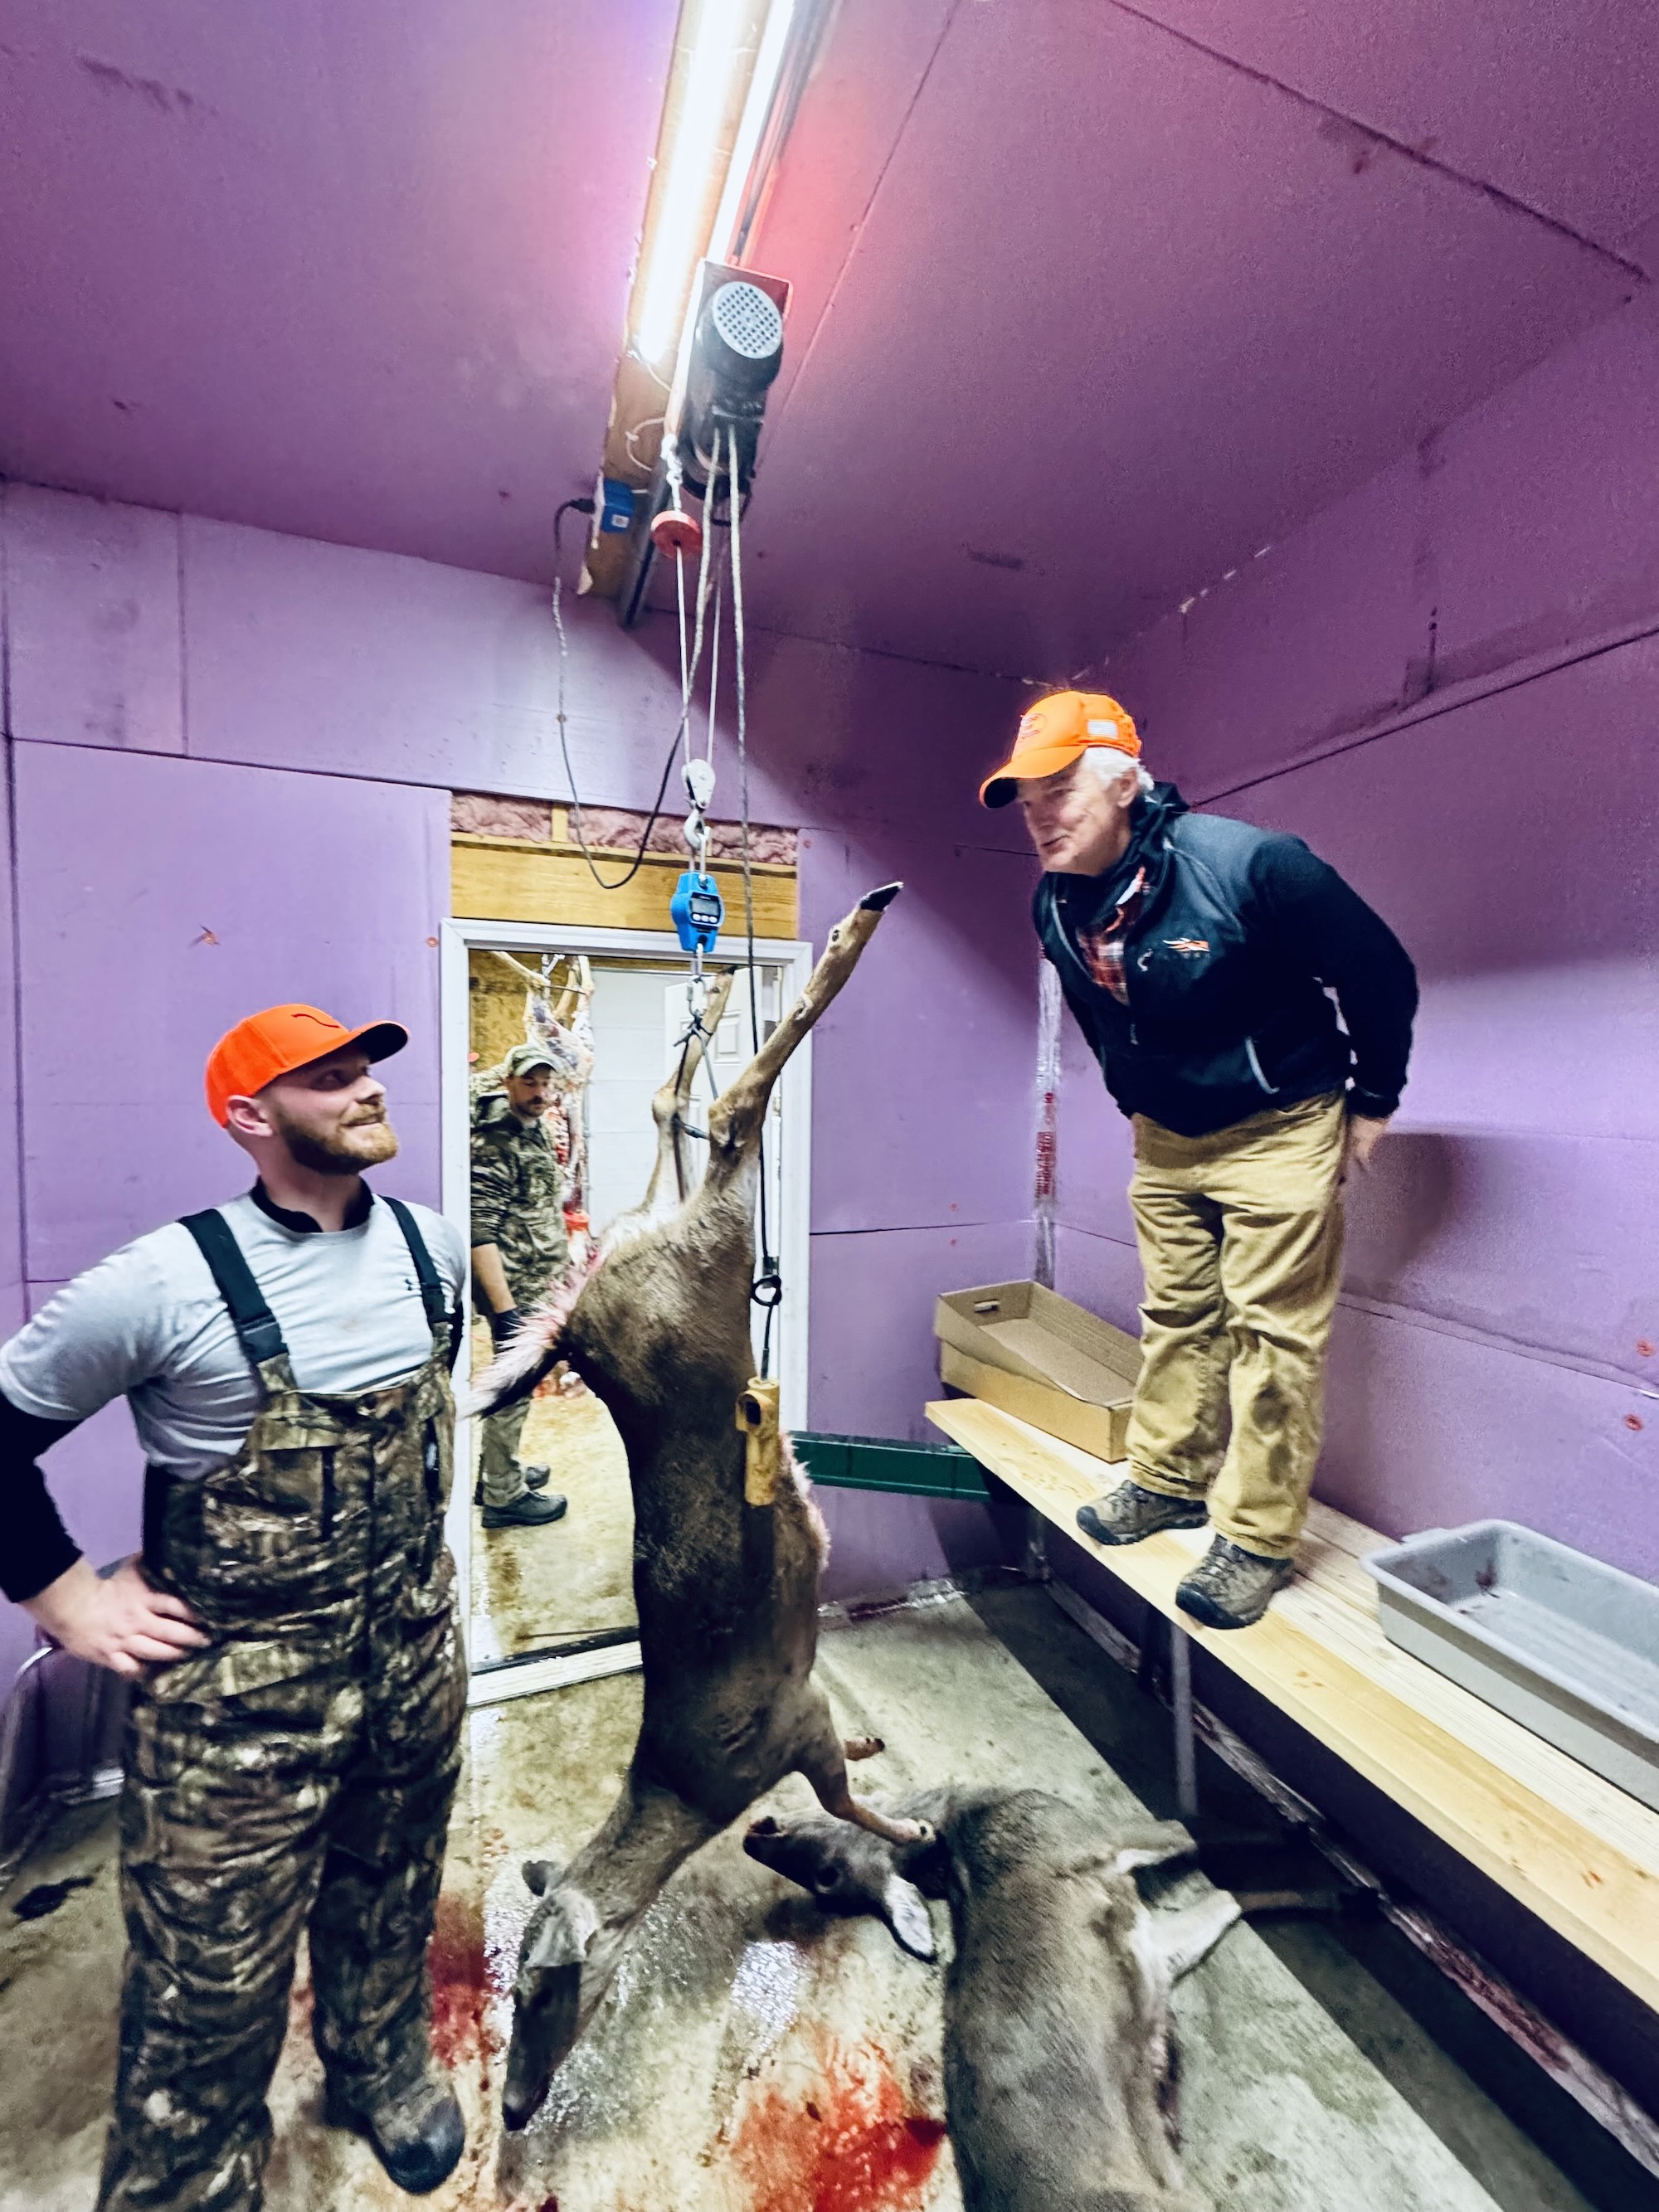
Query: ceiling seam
point(1509, 202)
point(880, 651)
point(859, 227)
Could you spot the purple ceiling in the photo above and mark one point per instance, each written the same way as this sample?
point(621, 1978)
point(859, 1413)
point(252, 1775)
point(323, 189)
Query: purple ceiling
point(1091, 311)
point(1088, 307)
point(356, 271)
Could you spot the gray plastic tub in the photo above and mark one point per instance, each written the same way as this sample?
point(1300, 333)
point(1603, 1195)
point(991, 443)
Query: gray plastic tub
point(1563, 1643)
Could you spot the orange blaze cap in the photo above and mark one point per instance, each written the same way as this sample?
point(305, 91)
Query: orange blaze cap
point(256, 1051)
point(1056, 732)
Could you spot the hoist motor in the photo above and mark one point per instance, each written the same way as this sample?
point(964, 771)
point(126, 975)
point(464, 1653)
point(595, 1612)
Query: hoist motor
point(736, 352)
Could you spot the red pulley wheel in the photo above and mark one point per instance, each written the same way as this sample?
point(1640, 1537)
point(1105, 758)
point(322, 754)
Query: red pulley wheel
point(674, 531)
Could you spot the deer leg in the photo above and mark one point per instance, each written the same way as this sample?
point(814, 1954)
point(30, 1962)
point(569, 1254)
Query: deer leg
point(1185, 1938)
point(823, 1763)
point(574, 1940)
point(735, 1123)
point(667, 1186)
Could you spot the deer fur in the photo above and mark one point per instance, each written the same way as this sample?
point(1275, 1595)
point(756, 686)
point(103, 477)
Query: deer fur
point(1061, 2065)
point(727, 1592)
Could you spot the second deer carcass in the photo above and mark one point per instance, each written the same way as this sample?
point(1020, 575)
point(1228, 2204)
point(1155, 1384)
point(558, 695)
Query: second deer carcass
point(1059, 2065)
point(727, 1545)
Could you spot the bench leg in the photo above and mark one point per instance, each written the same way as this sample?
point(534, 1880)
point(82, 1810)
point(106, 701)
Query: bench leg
point(1037, 1547)
point(1180, 1707)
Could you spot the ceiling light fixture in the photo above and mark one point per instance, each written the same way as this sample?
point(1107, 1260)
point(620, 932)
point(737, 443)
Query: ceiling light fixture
point(719, 104)
point(708, 118)
point(737, 75)
point(723, 243)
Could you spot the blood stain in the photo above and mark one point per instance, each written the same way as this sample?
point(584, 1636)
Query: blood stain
point(456, 1959)
point(851, 2147)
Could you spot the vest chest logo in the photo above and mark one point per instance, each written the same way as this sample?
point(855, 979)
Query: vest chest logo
point(1191, 945)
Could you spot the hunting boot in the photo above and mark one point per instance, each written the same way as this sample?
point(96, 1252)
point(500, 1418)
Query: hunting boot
point(531, 1510)
point(535, 1477)
point(1230, 1587)
point(1127, 1514)
point(413, 2124)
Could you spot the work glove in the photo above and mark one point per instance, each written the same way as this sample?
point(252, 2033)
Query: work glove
point(504, 1326)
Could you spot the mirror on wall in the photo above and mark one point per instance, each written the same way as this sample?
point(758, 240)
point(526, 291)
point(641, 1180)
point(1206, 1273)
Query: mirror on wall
point(566, 1050)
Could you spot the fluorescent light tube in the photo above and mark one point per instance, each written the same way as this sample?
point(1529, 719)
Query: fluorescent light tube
point(680, 236)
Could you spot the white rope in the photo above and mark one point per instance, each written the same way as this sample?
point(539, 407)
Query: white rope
point(714, 667)
point(685, 665)
point(740, 654)
point(682, 735)
point(769, 1280)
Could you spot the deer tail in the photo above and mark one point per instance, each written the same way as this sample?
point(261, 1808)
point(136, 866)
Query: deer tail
point(533, 1353)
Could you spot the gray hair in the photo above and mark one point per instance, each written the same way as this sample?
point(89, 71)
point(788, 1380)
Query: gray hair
point(1106, 764)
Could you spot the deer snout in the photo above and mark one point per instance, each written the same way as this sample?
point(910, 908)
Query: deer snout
point(545, 2010)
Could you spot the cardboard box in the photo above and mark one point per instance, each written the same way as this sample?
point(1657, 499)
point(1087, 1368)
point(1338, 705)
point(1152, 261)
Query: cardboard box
point(1041, 1359)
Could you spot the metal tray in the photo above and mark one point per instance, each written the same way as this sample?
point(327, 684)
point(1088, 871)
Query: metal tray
point(1563, 1643)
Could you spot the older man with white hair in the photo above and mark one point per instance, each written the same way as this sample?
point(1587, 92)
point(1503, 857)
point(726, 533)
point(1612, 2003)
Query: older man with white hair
point(1200, 957)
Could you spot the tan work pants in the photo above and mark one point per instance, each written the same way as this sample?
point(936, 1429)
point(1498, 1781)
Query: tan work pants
point(1241, 1245)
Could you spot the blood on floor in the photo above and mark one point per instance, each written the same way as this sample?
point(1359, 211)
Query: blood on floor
point(456, 1962)
point(849, 2145)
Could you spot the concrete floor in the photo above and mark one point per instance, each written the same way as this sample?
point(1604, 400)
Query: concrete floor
point(754, 2057)
point(534, 1589)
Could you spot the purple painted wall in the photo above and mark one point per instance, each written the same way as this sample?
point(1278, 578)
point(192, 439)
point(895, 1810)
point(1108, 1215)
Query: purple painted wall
point(1493, 1354)
point(230, 757)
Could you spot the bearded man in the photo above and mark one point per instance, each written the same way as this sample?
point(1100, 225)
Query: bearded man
point(290, 1625)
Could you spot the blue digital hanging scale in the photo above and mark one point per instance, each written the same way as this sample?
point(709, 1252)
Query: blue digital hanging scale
point(698, 910)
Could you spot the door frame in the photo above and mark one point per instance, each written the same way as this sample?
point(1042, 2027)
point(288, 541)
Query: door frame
point(460, 936)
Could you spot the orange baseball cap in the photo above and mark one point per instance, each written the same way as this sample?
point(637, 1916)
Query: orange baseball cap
point(1056, 732)
point(256, 1051)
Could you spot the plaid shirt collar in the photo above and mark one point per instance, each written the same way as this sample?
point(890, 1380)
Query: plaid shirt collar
point(1103, 946)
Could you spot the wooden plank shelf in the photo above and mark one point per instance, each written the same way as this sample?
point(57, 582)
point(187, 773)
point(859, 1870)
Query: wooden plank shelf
point(1575, 1851)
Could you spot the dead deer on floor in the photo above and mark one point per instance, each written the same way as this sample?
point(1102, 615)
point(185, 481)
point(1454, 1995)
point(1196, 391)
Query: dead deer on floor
point(727, 1545)
point(1059, 2060)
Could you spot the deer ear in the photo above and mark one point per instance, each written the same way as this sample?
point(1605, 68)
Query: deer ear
point(905, 1913)
point(541, 1874)
point(565, 1935)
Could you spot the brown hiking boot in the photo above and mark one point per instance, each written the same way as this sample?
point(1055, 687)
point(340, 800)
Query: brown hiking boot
point(1230, 1587)
point(1127, 1514)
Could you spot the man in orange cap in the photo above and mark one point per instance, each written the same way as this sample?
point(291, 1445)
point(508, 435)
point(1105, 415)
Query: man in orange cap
point(290, 1626)
point(1197, 955)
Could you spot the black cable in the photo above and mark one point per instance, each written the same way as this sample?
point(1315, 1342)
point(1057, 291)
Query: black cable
point(586, 507)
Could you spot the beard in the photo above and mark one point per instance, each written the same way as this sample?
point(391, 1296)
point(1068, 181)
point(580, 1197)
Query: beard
point(347, 1150)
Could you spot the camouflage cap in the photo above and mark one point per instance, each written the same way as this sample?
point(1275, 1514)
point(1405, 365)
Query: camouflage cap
point(524, 1057)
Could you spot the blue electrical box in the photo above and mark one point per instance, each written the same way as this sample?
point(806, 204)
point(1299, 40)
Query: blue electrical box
point(698, 910)
point(616, 504)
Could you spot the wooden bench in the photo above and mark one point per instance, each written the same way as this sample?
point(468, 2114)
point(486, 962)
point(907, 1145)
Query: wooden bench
point(1571, 1848)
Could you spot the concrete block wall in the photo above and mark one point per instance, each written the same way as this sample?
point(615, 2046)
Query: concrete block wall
point(1448, 685)
point(229, 759)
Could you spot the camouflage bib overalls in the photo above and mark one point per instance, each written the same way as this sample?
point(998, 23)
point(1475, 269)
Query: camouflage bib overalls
point(518, 1188)
point(298, 1772)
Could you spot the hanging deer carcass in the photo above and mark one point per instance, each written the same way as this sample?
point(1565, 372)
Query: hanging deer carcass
point(727, 1545)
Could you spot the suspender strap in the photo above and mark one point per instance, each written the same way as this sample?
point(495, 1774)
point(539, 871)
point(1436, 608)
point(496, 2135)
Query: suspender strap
point(432, 1290)
point(254, 1320)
